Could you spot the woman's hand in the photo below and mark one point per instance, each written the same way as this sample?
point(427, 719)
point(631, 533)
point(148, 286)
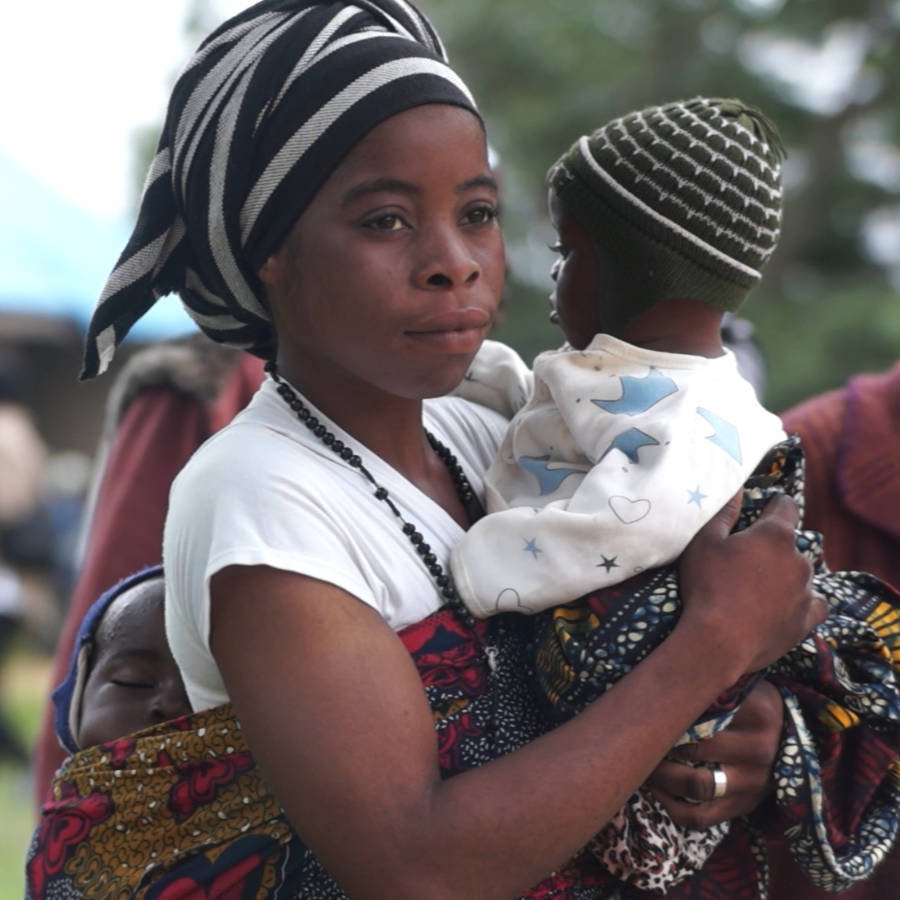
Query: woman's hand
point(745, 752)
point(749, 593)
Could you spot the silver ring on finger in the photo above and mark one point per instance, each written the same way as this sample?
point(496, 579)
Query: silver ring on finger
point(720, 781)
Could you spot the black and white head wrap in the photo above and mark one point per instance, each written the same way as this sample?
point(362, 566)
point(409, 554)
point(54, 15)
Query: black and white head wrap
point(263, 113)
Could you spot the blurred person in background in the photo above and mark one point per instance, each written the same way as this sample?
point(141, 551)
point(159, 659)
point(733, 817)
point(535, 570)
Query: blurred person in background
point(851, 437)
point(23, 458)
point(851, 441)
point(11, 605)
point(23, 454)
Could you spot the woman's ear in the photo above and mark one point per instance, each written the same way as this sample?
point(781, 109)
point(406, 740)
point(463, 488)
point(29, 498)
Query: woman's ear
point(270, 271)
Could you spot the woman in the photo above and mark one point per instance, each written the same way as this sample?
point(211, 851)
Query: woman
point(322, 197)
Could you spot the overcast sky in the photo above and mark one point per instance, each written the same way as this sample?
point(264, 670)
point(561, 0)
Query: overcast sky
point(77, 79)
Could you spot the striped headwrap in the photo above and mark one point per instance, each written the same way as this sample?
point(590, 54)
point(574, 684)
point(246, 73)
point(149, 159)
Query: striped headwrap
point(266, 109)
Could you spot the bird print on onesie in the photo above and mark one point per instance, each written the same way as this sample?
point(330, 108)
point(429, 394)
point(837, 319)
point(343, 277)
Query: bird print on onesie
point(616, 459)
point(656, 454)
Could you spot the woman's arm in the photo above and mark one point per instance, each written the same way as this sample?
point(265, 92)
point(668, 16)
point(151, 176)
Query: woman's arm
point(336, 715)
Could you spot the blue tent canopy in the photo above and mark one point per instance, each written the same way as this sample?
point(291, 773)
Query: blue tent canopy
point(55, 257)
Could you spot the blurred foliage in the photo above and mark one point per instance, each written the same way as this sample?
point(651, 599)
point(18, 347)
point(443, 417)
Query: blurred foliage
point(827, 72)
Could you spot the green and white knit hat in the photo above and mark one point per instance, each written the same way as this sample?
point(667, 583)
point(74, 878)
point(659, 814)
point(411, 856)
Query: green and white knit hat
point(684, 200)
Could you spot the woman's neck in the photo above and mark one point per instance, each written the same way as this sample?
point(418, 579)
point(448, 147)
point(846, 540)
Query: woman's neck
point(391, 427)
point(388, 425)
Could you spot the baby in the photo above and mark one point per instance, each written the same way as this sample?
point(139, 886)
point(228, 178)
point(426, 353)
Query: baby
point(639, 429)
point(122, 677)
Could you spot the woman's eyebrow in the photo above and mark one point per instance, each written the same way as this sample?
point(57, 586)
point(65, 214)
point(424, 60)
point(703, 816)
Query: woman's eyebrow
point(480, 181)
point(379, 185)
point(398, 185)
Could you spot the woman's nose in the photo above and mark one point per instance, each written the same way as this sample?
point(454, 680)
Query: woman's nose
point(447, 261)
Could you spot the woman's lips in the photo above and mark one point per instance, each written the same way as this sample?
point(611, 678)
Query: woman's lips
point(458, 330)
point(452, 320)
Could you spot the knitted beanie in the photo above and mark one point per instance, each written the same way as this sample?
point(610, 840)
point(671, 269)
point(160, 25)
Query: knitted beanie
point(67, 695)
point(682, 200)
point(264, 112)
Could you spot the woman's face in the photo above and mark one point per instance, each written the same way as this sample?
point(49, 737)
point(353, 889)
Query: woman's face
point(391, 278)
point(576, 295)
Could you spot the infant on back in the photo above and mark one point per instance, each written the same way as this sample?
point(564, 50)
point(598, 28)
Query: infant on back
point(122, 677)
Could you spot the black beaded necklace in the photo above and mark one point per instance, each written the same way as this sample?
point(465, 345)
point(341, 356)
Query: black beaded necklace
point(471, 503)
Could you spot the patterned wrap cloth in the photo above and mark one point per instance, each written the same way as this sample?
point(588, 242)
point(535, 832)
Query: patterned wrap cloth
point(837, 774)
point(181, 810)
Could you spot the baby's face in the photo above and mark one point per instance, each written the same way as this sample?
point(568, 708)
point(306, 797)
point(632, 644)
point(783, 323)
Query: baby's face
point(576, 296)
point(133, 682)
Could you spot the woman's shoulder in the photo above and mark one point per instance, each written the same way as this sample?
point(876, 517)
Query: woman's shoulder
point(261, 443)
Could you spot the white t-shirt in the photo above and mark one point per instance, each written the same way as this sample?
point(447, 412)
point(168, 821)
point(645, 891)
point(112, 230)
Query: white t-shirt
point(619, 457)
point(265, 491)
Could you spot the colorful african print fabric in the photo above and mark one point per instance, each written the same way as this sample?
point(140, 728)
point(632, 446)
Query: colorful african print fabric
point(177, 810)
point(181, 810)
point(837, 773)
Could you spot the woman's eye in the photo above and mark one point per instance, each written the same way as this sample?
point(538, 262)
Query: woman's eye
point(482, 215)
point(385, 222)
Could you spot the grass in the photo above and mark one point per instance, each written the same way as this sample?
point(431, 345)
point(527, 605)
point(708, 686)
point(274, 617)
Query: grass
point(24, 680)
